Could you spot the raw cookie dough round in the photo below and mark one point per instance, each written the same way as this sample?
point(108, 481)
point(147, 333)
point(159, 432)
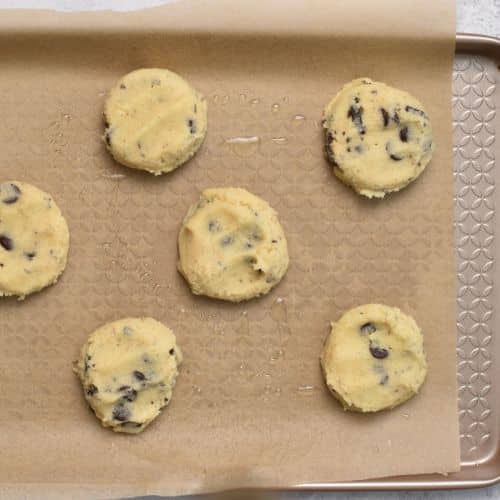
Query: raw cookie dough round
point(232, 246)
point(374, 358)
point(155, 120)
point(378, 138)
point(34, 239)
point(128, 370)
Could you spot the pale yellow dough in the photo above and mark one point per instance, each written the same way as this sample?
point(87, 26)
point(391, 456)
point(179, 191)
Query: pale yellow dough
point(374, 358)
point(232, 246)
point(378, 138)
point(128, 370)
point(155, 120)
point(34, 239)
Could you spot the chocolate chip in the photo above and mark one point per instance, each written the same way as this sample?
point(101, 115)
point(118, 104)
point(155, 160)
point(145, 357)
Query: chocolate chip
point(329, 138)
point(214, 226)
point(415, 111)
point(385, 116)
point(13, 196)
point(367, 328)
point(227, 240)
point(384, 379)
point(6, 242)
point(130, 395)
point(355, 113)
point(378, 352)
point(121, 413)
point(124, 388)
point(395, 157)
point(107, 137)
point(123, 86)
point(127, 331)
point(91, 390)
point(395, 117)
point(348, 140)
point(403, 134)
point(30, 255)
point(172, 351)
point(192, 126)
point(139, 375)
point(274, 241)
point(392, 156)
point(356, 99)
point(358, 148)
point(348, 150)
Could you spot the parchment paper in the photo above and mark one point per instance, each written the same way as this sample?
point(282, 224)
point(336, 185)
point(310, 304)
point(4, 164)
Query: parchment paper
point(250, 407)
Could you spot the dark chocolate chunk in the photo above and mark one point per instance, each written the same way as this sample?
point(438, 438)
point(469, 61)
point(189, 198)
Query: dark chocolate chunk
point(348, 150)
point(367, 328)
point(6, 242)
point(395, 117)
point(214, 226)
point(355, 113)
point(395, 157)
point(392, 156)
point(91, 390)
point(30, 255)
point(123, 86)
point(139, 375)
point(274, 241)
point(107, 137)
point(192, 126)
point(124, 388)
point(415, 111)
point(130, 395)
point(121, 413)
point(348, 140)
point(378, 352)
point(356, 100)
point(13, 196)
point(385, 116)
point(403, 134)
point(172, 351)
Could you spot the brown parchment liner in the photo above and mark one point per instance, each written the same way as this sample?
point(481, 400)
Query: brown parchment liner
point(250, 407)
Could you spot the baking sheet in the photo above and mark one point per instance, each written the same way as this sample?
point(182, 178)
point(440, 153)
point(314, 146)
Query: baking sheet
point(250, 408)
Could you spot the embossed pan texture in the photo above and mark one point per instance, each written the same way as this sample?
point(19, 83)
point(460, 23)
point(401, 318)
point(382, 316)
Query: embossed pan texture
point(250, 408)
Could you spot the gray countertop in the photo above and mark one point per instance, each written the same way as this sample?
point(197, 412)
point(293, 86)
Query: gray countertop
point(473, 16)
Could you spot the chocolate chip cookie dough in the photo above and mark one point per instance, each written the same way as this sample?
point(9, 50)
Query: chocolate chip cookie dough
point(34, 239)
point(374, 358)
point(128, 370)
point(378, 138)
point(155, 120)
point(232, 246)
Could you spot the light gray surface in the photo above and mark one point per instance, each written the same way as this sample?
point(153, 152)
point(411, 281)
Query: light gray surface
point(473, 16)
